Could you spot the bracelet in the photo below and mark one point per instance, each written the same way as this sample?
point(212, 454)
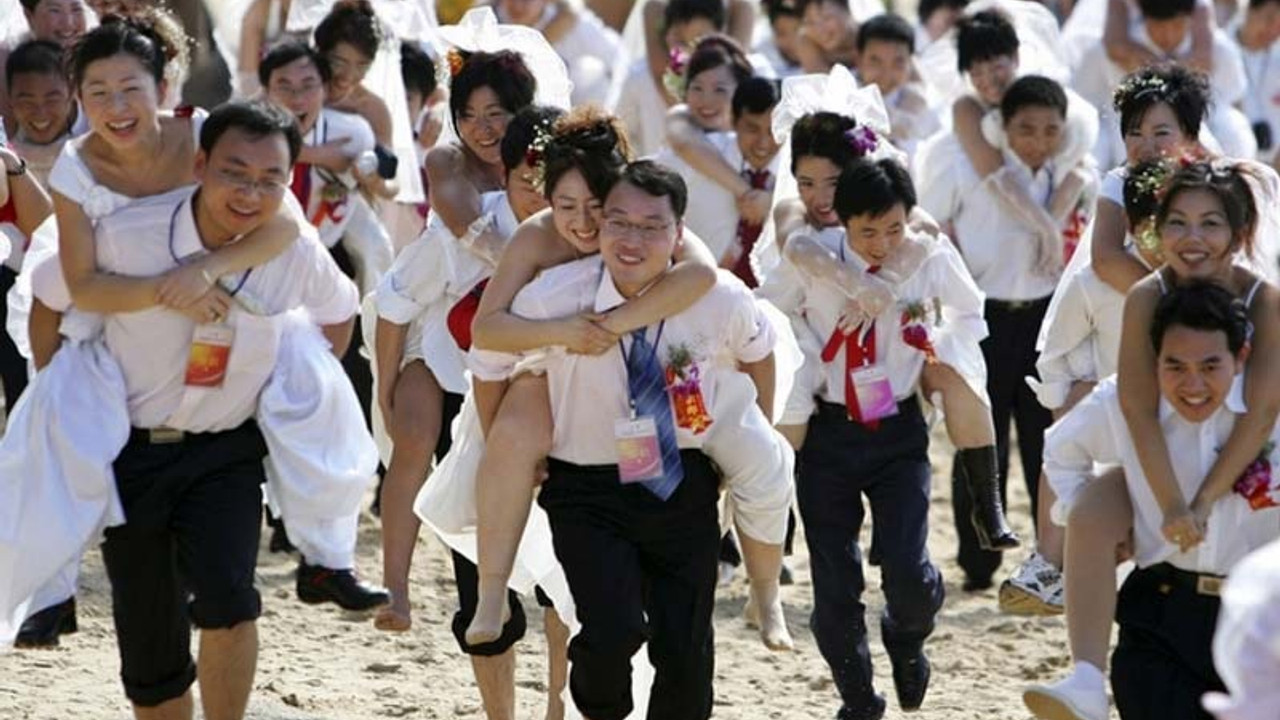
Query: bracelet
point(18, 171)
point(476, 228)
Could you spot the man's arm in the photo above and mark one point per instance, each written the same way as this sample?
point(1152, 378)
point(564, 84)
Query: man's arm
point(339, 335)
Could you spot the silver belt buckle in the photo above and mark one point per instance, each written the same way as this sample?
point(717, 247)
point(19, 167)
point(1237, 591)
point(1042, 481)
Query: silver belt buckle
point(165, 436)
point(1209, 585)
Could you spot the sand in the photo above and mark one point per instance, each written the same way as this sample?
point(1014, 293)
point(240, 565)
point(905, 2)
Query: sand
point(319, 662)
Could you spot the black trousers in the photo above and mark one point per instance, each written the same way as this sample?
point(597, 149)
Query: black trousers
point(1163, 662)
point(187, 553)
point(13, 367)
point(1010, 354)
point(640, 569)
point(842, 461)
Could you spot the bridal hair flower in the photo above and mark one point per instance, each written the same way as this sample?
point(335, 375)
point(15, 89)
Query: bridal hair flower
point(862, 139)
point(1139, 84)
point(536, 155)
point(673, 77)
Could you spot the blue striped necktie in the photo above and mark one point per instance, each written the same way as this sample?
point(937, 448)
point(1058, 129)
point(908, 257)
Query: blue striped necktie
point(648, 386)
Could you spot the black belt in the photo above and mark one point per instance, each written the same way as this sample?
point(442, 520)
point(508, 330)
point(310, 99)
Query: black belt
point(170, 436)
point(1199, 583)
point(838, 410)
point(1018, 305)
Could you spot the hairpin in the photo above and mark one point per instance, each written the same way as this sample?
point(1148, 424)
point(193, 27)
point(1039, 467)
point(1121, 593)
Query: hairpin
point(536, 155)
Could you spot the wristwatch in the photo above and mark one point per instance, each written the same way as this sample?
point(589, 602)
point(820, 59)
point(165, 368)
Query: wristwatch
point(18, 171)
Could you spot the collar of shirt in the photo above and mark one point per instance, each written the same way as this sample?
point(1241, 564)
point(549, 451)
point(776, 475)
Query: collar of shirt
point(185, 240)
point(1234, 404)
point(607, 295)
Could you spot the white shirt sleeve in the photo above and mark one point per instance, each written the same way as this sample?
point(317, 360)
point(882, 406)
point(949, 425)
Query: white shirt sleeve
point(751, 335)
point(329, 295)
point(1068, 329)
point(959, 294)
point(1230, 81)
point(1074, 444)
point(418, 277)
point(938, 187)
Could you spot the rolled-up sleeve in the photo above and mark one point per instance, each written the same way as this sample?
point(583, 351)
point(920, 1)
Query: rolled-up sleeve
point(416, 279)
point(1074, 444)
point(330, 296)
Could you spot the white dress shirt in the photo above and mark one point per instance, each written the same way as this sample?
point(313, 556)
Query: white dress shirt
point(1095, 432)
point(152, 346)
point(713, 211)
point(1081, 337)
point(998, 247)
point(427, 280)
point(331, 125)
point(725, 327)
point(1262, 101)
point(941, 278)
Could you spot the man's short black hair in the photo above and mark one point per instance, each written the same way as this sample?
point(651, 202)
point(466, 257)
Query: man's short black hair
point(755, 95)
point(417, 69)
point(1201, 305)
point(887, 27)
point(287, 52)
point(258, 118)
point(657, 180)
point(873, 187)
point(803, 5)
point(1254, 4)
point(983, 36)
point(35, 57)
point(1033, 91)
point(1166, 9)
point(678, 12)
point(926, 8)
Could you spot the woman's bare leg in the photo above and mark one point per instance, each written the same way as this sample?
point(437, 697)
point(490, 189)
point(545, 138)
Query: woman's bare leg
point(794, 434)
point(968, 418)
point(518, 440)
point(764, 607)
point(557, 663)
point(1051, 540)
point(1099, 522)
point(418, 407)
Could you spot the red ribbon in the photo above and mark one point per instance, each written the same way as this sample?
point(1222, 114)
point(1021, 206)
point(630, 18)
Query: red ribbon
point(856, 355)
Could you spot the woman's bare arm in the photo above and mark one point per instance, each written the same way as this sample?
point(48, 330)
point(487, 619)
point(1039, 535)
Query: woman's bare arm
point(1120, 48)
point(30, 200)
point(90, 290)
point(689, 142)
point(1110, 260)
point(1262, 397)
point(253, 31)
point(693, 274)
point(1140, 398)
point(655, 46)
point(966, 116)
point(453, 197)
point(532, 249)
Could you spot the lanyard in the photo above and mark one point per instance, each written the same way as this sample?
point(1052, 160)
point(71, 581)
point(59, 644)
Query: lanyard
point(173, 221)
point(627, 357)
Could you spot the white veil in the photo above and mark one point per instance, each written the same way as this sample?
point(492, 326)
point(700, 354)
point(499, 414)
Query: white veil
point(401, 20)
point(1040, 50)
point(479, 31)
point(835, 92)
point(13, 23)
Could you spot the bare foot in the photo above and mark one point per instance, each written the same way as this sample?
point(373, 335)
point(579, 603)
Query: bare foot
point(392, 618)
point(492, 612)
point(773, 624)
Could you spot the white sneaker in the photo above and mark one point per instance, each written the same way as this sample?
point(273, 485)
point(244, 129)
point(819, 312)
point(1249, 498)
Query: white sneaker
point(1035, 588)
point(1071, 698)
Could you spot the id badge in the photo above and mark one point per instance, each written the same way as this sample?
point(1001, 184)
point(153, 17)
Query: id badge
point(210, 353)
point(875, 394)
point(639, 455)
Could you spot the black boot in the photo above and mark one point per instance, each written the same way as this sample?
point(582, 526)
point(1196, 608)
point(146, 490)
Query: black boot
point(980, 472)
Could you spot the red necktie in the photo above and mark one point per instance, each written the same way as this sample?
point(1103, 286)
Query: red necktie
point(748, 234)
point(856, 355)
point(301, 185)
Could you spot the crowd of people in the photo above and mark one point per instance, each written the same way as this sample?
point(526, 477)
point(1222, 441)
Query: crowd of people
point(617, 297)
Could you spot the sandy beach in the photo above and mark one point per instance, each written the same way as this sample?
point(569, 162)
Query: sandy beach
point(320, 663)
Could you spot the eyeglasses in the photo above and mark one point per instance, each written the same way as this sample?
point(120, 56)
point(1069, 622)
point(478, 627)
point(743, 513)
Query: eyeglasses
point(289, 91)
point(647, 231)
point(242, 182)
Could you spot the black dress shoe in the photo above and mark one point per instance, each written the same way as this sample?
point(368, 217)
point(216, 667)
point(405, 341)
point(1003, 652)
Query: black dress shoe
point(317, 584)
point(873, 711)
point(785, 577)
point(279, 538)
point(911, 680)
point(42, 629)
point(973, 584)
